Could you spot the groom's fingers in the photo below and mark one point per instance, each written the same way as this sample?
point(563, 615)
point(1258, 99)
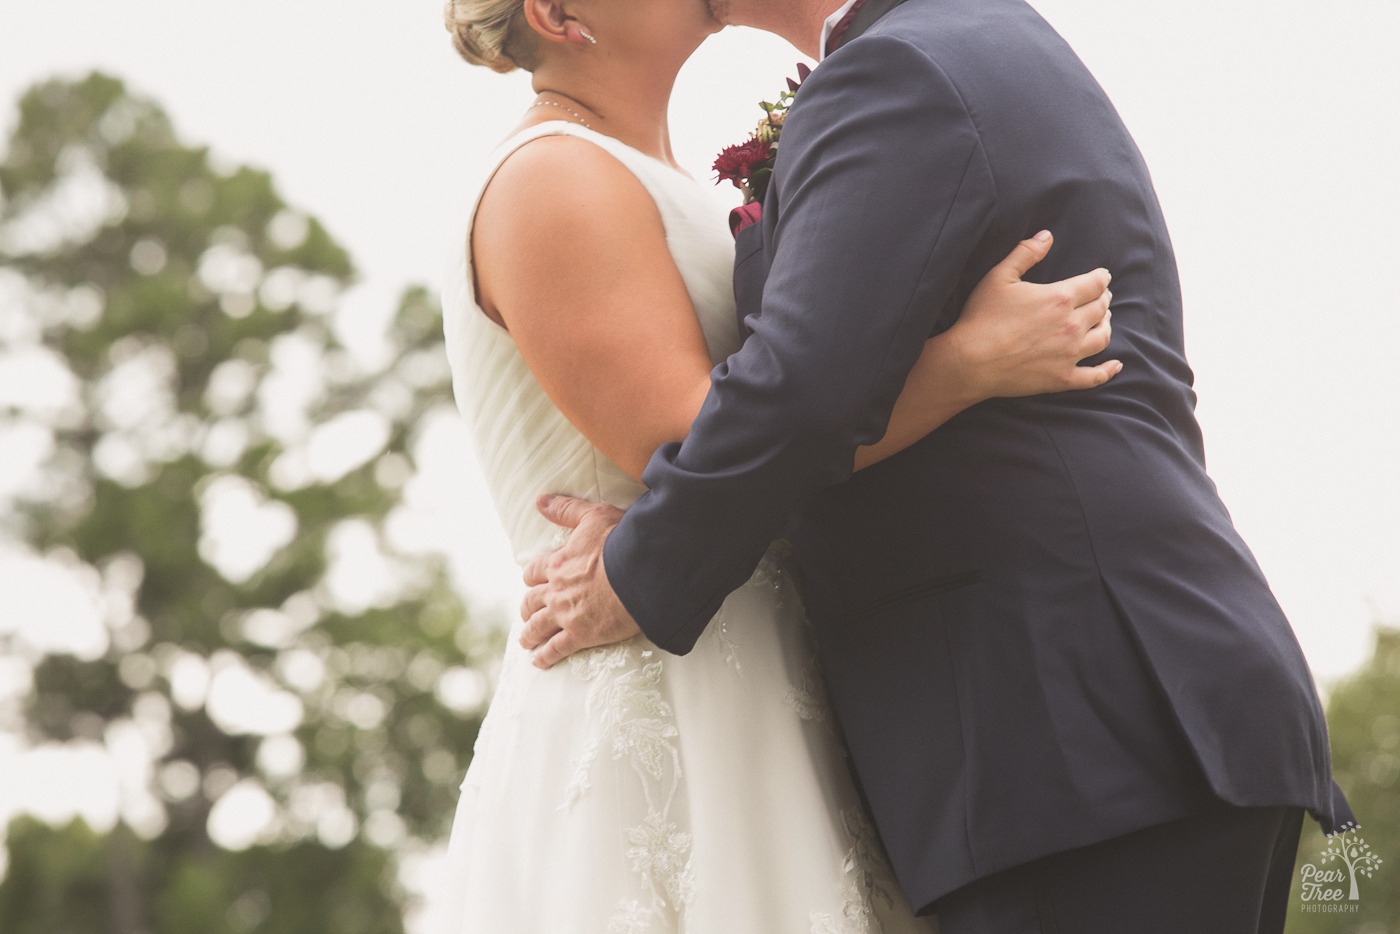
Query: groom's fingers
point(560, 647)
point(537, 571)
point(563, 510)
point(538, 630)
point(533, 602)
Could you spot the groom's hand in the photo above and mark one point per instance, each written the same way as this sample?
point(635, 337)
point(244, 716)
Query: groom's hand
point(570, 605)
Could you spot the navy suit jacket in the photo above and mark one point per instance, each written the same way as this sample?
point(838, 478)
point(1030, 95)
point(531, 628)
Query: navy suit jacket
point(1039, 626)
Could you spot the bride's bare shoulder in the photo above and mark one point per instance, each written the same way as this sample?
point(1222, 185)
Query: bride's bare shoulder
point(560, 207)
point(562, 183)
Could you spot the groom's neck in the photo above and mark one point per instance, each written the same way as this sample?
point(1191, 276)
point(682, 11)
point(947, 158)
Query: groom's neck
point(798, 21)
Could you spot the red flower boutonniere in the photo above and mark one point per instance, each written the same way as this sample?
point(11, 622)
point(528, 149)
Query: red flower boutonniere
point(749, 165)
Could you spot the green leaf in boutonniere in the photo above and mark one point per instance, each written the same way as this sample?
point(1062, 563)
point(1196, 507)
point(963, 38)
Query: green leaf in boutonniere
point(749, 165)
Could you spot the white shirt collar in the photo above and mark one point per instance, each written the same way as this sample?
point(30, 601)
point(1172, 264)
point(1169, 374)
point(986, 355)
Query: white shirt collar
point(831, 22)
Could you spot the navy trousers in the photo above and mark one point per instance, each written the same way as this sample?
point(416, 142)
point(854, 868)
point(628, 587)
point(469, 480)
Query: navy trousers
point(1227, 871)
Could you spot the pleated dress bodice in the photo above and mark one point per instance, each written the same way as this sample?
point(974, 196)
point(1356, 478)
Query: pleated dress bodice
point(524, 443)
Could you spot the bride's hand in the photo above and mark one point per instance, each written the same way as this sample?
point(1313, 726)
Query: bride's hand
point(1017, 338)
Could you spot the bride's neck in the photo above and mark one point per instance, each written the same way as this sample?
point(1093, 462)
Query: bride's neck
point(627, 104)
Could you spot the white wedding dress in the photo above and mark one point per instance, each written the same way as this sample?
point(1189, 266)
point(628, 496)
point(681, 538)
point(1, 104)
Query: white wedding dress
point(629, 791)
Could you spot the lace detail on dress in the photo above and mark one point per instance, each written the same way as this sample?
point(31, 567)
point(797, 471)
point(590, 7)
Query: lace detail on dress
point(868, 886)
point(626, 709)
point(808, 698)
point(661, 853)
point(631, 917)
point(770, 574)
point(727, 645)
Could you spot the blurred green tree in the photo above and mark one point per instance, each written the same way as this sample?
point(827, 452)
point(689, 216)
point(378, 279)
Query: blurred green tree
point(301, 692)
point(1363, 713)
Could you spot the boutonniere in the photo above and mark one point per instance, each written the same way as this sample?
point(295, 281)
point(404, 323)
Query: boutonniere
point(749, 165)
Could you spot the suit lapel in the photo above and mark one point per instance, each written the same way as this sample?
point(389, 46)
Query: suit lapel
point(868, 15)
point(750, 272)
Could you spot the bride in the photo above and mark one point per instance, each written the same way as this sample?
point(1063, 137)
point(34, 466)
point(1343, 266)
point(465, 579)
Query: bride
point(631, 791)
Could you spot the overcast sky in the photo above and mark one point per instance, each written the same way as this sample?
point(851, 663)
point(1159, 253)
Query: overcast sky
point(1270, 128)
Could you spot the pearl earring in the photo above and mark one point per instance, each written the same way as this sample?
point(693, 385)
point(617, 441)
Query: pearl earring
point(588, 36)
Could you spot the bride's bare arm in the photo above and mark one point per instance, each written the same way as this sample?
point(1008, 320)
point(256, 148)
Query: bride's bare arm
point(572, 258)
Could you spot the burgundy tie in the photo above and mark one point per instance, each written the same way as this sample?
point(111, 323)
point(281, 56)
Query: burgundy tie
point(843, 26)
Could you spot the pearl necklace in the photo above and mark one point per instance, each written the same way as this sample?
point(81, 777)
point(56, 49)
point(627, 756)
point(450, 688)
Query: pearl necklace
point(568, 110)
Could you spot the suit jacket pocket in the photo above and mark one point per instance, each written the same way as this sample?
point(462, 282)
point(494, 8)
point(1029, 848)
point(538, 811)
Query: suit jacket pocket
point(747, 243)
point(921, 590)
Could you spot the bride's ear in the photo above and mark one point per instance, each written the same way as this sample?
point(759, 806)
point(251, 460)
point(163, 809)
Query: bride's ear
point(552, 22)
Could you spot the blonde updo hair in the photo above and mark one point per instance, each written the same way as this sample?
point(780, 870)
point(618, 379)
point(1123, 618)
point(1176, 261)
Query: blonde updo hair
point(491, 33)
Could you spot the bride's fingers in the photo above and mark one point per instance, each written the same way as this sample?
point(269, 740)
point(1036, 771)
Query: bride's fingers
point(1094, 312)
point(1026, 254)
point(1083, 289)
point(1096, 341)
point(1088, 377)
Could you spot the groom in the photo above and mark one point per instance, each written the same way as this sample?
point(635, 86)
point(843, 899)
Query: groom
point(1072, 702)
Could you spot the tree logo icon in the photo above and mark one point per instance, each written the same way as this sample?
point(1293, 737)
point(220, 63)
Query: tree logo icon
point(1327, 886)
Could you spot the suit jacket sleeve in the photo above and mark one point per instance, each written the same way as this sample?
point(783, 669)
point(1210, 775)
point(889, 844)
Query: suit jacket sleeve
point(881, 190)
